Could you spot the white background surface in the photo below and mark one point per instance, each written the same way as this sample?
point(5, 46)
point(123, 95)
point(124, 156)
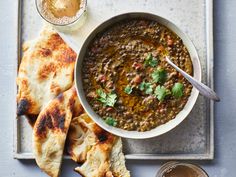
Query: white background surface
point(224, 164)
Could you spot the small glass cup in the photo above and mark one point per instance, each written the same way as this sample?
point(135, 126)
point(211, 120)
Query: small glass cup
point(66, 27)
point(167, 167)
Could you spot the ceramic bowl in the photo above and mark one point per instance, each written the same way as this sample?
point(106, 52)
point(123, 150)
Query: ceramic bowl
point(159, 129)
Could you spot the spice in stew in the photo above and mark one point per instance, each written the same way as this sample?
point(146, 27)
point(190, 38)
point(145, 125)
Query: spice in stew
point(126, 79)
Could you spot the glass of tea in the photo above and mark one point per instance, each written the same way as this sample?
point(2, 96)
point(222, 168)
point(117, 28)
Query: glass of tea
point(179, 169)
point(64, 15)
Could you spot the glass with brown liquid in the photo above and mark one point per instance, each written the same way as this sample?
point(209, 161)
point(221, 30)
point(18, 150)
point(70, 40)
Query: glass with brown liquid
point(178, 169)
point(64, 15)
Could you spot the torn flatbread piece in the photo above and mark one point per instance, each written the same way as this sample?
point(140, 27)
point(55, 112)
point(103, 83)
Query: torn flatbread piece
point(97, 162)
point(45, 71)
point(50, 131)
point(80, 139)
point(117, 160)
point(100, 151)
point(83, 135)
point(105, 160)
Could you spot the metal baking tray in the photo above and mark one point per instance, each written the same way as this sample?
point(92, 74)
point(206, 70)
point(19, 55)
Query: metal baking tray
point(194, 137)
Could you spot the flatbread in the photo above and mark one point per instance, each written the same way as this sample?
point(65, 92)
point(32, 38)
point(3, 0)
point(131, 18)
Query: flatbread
point(105, 160)
point(97, 163)
point(50, 131)
point(117, 160)
point(80, 139)
point(45, 71)
point(99, 151)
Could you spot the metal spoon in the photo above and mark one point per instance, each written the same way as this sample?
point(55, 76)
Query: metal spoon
point(203, 89)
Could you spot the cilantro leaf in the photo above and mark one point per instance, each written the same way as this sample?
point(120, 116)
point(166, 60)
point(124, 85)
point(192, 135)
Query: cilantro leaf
point(111, 121)
point(153, 62)
point(111, 99)
point(160, 75)
point(107, 99)
point(142, 86)
point(178, 90)
point(101, 93)
point(161, 92)
point(147, 87)
point(103, 100)
point(128, 89)
point(102, 96)
point(150, 60)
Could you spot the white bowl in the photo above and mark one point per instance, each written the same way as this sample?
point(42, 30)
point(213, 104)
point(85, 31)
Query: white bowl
point(159, 129)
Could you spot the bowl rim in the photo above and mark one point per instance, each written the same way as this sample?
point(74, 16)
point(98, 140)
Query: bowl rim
point(159, 130)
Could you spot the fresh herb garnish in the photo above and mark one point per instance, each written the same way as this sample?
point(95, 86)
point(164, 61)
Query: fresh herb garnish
point(101, 93)
point(147, 87)
point(128, 89)
point(111, 99)
point(150, 60)
point(161, 92)
point(160, 75)
point(178, 90)
point(111, 121)
point(107, 99)
point(142, 86)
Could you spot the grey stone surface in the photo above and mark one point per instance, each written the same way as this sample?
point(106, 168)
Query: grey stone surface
point(225, 122)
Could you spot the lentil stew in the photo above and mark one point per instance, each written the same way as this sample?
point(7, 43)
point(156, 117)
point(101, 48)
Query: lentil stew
point(126, 79)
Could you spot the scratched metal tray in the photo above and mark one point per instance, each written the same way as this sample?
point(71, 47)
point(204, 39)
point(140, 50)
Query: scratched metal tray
point(193, 138)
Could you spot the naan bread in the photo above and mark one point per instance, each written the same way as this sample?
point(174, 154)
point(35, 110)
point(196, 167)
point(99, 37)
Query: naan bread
point(80, 139)
point(45, 71)
point(100, 151)
point(97, 163)
point(50, 131)
point(117, 160)
point(105, 160)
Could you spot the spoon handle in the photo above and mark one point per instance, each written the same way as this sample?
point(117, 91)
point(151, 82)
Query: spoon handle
point(203, 89)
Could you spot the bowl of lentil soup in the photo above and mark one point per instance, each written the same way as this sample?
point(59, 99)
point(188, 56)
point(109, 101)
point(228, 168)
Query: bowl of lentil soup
point(123, 81)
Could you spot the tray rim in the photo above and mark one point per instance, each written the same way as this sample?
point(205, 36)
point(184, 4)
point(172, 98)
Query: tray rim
point(209, 155)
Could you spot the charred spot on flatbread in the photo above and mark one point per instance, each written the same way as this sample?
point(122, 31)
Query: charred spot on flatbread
point(45, 52)
point(53, 120)
point(22, 107)
point(45, 70)
point(31, 119)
